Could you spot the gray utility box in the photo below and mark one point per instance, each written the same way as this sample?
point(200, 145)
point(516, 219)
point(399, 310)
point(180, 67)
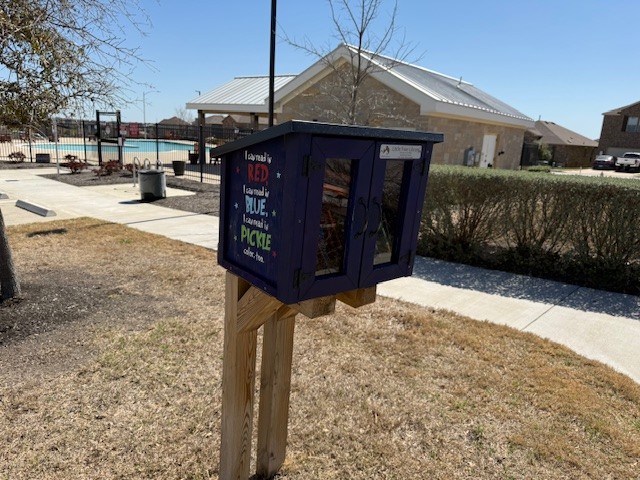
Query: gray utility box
point(153, 184)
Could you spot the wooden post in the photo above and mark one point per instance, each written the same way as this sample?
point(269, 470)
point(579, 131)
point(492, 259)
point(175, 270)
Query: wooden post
point(246, 310)
point(238, 381)
point(275, 383)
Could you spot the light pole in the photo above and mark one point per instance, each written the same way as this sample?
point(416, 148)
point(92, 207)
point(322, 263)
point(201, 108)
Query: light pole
point(272, 60)
point(144, 105)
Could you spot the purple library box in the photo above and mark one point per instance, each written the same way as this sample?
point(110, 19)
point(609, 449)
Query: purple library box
point(312, 209)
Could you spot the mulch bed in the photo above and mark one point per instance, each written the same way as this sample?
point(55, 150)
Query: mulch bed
point(205, 201)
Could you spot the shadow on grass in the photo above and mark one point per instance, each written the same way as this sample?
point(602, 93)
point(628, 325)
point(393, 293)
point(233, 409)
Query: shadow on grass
point(45, 233)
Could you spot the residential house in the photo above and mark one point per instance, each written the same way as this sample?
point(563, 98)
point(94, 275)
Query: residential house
point(620, 130)
point(237, 121)
point(568, 148)
point(176, 128)
point(173, 121)
point(479, 129)
point(216, 120)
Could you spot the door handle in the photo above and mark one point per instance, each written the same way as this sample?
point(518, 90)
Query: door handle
point(377, 203)
point(362, 203)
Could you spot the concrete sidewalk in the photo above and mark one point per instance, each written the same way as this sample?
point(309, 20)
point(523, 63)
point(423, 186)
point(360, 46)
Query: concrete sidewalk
point(113, 203)
point(599, 325)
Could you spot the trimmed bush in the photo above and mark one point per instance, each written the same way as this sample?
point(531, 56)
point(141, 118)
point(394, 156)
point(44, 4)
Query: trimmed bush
point(462, 210)
point(581, 230)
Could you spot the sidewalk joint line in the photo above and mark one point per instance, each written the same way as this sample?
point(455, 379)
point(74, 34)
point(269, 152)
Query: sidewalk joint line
point(557, 304)
point(163, 218)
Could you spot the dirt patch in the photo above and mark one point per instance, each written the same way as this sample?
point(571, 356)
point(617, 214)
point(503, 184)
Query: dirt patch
point(111, 368)
point(75, 285)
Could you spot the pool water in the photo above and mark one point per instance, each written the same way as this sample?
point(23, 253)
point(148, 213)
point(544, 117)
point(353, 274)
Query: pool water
point(130, 146)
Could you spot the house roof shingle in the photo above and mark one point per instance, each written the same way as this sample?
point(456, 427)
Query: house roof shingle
point(173, 121)
point(554, 134)
point(617, 111)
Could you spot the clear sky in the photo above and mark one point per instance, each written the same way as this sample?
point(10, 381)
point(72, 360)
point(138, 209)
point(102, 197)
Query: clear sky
point(566, 61)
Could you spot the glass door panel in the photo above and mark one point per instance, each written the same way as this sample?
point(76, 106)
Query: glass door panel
point(336, 224)
point(389, 213)
point(332, 239)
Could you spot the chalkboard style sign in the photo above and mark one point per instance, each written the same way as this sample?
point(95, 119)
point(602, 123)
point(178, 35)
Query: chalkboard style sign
point(311, 209)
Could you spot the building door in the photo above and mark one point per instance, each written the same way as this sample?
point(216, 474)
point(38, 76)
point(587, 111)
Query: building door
point(488, 150)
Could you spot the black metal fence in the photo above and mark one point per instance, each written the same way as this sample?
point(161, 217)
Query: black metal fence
point(175, 146)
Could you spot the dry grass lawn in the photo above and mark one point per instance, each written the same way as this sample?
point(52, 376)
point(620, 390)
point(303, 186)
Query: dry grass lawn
point(111, 368)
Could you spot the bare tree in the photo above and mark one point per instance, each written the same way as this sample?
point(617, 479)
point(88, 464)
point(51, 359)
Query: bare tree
point(57, 55)
point(184, 114)
point(372, 43)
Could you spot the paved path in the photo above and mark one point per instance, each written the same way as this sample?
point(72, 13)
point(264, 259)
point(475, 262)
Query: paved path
point(599, 325)
point(113, 203)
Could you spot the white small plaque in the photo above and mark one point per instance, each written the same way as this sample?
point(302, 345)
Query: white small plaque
point(400, 152)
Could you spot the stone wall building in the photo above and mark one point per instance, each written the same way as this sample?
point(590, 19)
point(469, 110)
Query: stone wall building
point(478, 128)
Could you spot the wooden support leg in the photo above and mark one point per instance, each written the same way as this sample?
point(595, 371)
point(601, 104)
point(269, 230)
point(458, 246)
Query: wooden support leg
point(238, 381)
point(275, 383)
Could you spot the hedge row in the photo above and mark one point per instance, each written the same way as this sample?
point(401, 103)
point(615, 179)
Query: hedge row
point(582, 230)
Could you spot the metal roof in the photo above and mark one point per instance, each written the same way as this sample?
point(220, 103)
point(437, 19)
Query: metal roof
point(242, 91)
point(444, 88)
point(250, 94)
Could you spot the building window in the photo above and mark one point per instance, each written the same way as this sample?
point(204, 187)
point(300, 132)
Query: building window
point(632, 124)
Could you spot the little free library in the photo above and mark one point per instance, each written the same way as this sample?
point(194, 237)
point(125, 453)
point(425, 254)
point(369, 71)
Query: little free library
point(310, 213)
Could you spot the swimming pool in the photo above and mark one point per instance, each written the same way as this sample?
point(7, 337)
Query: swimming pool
point(130, 146)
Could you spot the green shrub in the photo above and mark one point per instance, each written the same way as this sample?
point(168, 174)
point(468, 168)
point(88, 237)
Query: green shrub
point(577, 229)
point(539, 169)
point(535, 214)
point(462, 207)
point(604, 225)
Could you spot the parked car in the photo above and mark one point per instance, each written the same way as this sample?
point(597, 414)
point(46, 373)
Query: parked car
point(604, 162)
point(628, 161)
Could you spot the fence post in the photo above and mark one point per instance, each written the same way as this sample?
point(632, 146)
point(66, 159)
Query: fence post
point(157, 142)
point(84, 141)
point(30, 149)
point(202, 146)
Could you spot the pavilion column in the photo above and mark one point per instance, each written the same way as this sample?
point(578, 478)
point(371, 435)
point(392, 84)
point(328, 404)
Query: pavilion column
point(201, 144)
